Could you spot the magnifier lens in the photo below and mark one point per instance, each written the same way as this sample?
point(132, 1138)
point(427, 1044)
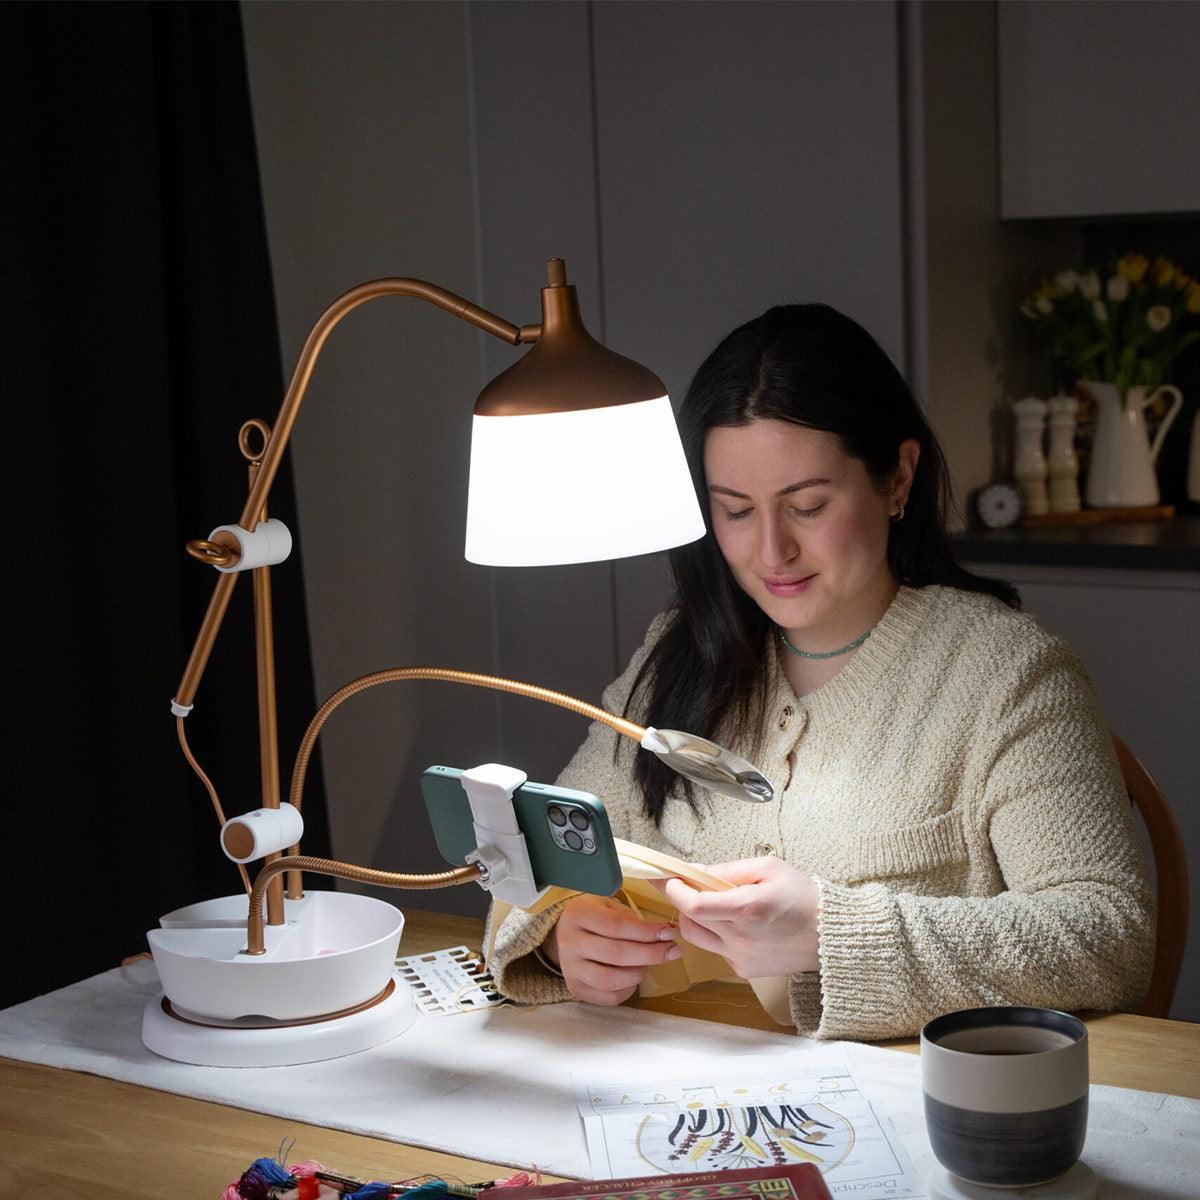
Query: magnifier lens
point(710, 765)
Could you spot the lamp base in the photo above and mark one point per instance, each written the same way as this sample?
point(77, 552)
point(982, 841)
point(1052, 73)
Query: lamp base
point(258, 1042)
point(1079, 1183)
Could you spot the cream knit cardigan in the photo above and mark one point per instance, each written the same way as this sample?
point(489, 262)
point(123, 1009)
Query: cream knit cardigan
point(955, 794)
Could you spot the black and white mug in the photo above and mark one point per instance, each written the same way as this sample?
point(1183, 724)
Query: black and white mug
point(1006, 1093)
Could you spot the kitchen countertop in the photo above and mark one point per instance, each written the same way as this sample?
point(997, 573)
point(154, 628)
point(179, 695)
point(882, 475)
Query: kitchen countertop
point(1172, 544)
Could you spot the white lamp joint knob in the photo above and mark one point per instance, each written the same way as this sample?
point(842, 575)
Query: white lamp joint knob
point(261, 832)
point(267, 546)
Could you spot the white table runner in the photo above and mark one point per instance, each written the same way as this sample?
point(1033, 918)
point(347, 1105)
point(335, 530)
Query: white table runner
point(496, 1085)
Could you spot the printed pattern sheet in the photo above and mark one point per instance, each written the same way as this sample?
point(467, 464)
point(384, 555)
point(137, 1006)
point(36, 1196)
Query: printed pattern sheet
point(808, 1110)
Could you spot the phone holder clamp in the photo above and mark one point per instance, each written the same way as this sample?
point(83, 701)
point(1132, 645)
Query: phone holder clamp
point(501, 850)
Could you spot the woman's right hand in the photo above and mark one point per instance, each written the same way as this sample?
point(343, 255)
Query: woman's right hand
point(604, 948)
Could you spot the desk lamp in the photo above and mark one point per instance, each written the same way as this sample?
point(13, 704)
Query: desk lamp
point(575, 457)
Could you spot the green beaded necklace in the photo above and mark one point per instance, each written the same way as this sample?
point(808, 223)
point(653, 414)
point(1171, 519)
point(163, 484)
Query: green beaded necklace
point(858, 641)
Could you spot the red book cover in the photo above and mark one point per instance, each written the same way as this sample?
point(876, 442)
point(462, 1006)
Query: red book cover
point(796, 1181)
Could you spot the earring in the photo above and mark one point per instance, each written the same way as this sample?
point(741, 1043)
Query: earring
point(899, 516)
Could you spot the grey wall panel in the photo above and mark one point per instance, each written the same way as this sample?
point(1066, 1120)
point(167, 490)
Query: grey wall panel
point(531, 78)
point(1098, 107)
point(362, 120)
point(749, 154)
point(979, 352)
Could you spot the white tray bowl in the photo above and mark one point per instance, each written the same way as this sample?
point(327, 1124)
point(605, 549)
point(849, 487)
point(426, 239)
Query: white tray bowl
point(334, 951)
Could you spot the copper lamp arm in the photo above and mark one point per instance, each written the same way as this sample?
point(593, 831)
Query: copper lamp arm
point(340, 870)
point(295, 863)
point(273, 452)
point(448, 675)
point(496, 682)
point(325, 323)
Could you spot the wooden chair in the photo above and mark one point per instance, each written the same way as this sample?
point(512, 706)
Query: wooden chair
point(1170, 866)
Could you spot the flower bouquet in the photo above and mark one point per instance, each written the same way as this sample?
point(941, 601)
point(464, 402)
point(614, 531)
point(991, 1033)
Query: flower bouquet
point(1119, 337)
point(1124, 331)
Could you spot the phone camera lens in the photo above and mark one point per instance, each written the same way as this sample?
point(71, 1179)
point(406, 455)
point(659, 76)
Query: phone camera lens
point(573, 840)
point(578, 819)
point(556, 815)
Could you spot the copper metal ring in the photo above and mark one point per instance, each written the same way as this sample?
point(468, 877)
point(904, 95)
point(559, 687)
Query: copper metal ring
point(263, 430)
point(213, 553)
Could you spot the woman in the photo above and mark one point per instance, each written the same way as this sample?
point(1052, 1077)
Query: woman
point(950, 827)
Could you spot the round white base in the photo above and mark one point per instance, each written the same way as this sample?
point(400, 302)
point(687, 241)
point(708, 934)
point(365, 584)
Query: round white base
point(253, 1042)
point(1079, 1183)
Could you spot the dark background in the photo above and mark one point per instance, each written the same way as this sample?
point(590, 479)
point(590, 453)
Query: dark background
point(139, 332)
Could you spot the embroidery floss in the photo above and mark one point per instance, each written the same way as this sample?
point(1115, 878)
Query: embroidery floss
point(267, 1178)
point(373, 1191)
point(520, 1179)
point(260, 1178)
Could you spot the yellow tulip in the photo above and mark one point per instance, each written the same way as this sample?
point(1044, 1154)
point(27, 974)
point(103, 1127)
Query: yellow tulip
point(1164, 271)
point(1193, 299)
point(1182, 279)
point(1133, 266)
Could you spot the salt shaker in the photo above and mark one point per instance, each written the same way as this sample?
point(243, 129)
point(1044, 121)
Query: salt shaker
point(1029, 463)
point(1063, 462)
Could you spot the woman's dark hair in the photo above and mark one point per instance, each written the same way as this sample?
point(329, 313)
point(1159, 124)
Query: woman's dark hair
point(812, 366)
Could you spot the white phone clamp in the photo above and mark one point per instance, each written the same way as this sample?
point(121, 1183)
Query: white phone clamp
point(501, 852)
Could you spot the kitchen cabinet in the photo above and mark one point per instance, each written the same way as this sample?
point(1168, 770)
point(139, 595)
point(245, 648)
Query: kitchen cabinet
point(1097, 108)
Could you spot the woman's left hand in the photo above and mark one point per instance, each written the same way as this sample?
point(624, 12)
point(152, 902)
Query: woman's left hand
point(766, 925)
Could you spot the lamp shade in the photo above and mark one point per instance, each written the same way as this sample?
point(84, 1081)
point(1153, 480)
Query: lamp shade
point(575, 455)
point(579, 486)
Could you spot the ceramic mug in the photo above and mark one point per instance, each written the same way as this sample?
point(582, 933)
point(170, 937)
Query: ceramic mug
point(1006, 1093)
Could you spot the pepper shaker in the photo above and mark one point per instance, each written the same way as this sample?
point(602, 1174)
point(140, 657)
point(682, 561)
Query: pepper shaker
point(1062, 461)
point(1029, 463)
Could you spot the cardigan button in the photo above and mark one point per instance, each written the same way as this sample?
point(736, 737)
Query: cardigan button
point(785, 716)
point(763, 849)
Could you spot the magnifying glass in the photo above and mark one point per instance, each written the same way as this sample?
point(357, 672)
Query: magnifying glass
point(709, 765)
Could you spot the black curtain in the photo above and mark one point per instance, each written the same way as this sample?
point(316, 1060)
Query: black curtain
point(139, 333)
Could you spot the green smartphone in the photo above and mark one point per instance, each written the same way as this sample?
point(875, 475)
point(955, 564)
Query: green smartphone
point(567, 832)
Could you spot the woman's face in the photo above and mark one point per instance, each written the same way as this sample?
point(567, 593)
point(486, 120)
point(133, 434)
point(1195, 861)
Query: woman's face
point(801, 524)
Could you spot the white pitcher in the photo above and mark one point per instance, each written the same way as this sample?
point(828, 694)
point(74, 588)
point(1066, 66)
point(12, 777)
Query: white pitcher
point(1121, 474)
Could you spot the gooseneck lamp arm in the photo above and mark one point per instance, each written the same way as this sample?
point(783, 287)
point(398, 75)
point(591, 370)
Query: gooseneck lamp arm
point(224, 552)
point(295, 863)
point(695, 758)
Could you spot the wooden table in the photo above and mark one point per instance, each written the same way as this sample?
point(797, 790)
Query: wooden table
point(65, 1134)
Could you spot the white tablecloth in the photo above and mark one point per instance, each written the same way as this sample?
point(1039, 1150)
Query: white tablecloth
point(496, 1085)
